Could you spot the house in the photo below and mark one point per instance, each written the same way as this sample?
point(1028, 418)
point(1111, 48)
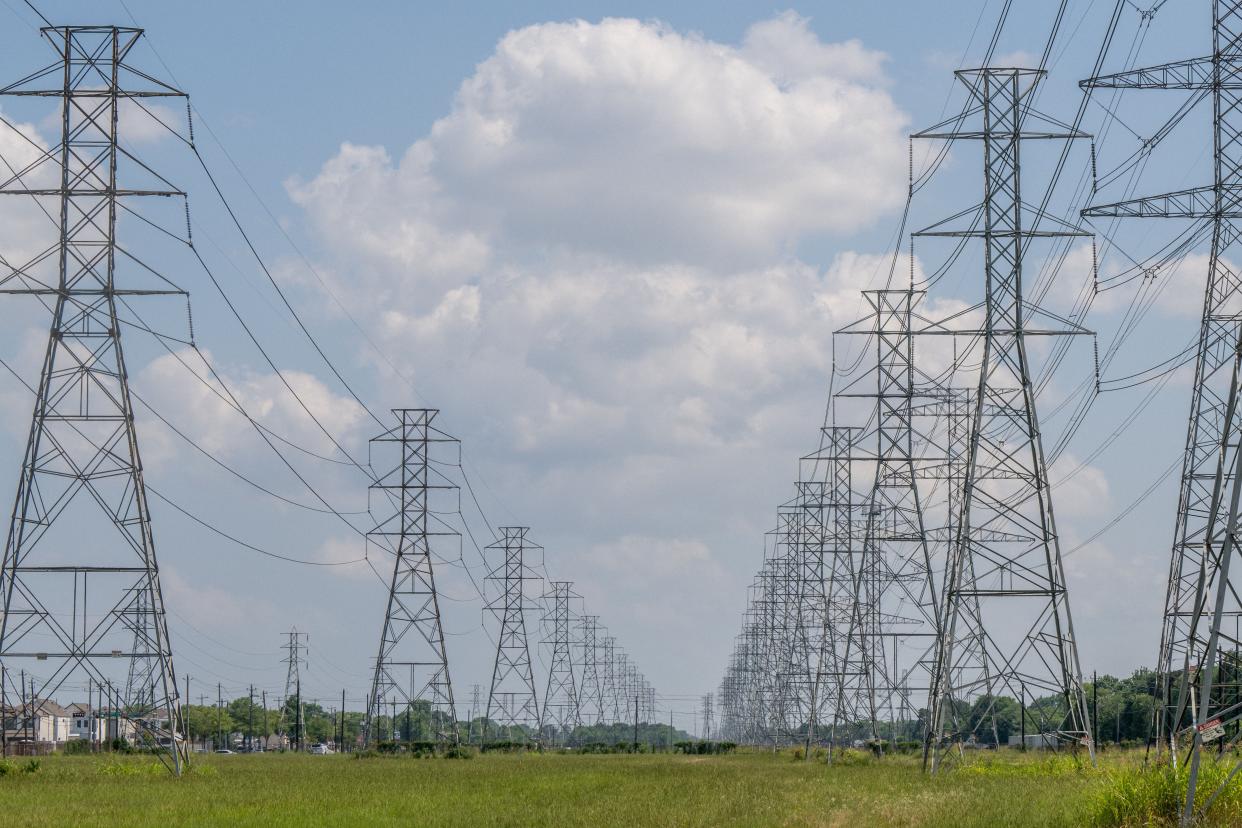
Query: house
point(115, 724)
point(84, 724)
point(42, 721)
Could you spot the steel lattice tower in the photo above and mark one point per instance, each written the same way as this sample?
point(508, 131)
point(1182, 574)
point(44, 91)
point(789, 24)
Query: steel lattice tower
point(512, 700)
point(591, 692)
point(843, 677)
point(412, 670)
point(612, 695)
point(560, 698)
point(294, 662)
point(899, 599)
point(709, 718)
point(81, 514)
point(814, 538)
point(1007, 556)
point(1202, 597)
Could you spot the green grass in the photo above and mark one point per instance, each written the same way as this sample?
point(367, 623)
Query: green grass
point(560, 790)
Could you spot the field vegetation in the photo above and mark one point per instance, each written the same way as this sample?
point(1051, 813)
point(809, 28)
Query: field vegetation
point(743, 788)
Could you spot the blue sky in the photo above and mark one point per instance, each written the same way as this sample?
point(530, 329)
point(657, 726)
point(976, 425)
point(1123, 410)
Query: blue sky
point(625, 311)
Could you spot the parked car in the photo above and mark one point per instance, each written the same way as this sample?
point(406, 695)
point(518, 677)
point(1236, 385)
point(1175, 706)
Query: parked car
point(225, 750)
point(320, 749)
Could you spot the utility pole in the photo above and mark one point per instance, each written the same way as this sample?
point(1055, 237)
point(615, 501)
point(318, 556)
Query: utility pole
point(298, 723)
point(512, 701)
point(219, 710)
point(1201, 601)
point(636, 723)
point(1005, 571)
point(412, 664)
point(82, 461)
point(26, 715)
point(265, 731)
point(341, 743)
point(250, 724)
point(1095, 707)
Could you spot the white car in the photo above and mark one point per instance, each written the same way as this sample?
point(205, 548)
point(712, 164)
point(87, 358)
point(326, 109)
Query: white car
point(320, 750)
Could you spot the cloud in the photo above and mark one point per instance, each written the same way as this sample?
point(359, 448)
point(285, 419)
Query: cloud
point(591, 263)
point(631, 140)
point(1079, 490)
point(180, 387)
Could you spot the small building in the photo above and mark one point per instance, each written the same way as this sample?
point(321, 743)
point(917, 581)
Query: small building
point(42, 722)
point(1035, 741)
point(84, 724)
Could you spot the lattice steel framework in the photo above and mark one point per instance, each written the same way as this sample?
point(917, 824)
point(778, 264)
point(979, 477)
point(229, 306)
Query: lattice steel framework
point(591, 690)
point(899, 598)
point(512, 701)
point(1007, 556)
point(1199, 678)
point(612, 690)
point(295, 645)
point(412, 668)
point(708, 718)
point(560, 697)
point(80, 516)
point(844, 677)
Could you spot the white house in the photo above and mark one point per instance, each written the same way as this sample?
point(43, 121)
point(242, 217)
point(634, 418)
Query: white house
point(84, 723)
point(41, 721)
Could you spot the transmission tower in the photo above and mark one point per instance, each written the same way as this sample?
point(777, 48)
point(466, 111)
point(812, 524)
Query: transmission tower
point(591, 692)
point(474, 712)
point(411, 670)
point(709, 718)
point(295, 660)
point(1199, 679)
point(1006, 560)
point(140, 684)
point(81, 511)
point(512, 701)
point(560, 698)
point(841, 688)
point(612, 693)
point(899, 602)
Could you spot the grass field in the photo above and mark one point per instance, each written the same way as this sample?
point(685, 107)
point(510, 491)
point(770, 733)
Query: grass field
point(558, 790)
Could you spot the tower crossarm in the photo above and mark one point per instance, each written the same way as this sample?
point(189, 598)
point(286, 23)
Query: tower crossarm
point(1194, 203)
point(1193, 73)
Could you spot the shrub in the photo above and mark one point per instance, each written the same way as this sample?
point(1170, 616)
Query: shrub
point(704, 748)
point(77, 747)
point(508, 747)
point(849, 757)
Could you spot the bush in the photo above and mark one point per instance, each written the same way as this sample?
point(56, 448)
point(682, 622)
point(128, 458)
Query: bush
point(849, 757)
point(77, 747)
point(508, 747)
point(459, 752)
point(704, 748)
